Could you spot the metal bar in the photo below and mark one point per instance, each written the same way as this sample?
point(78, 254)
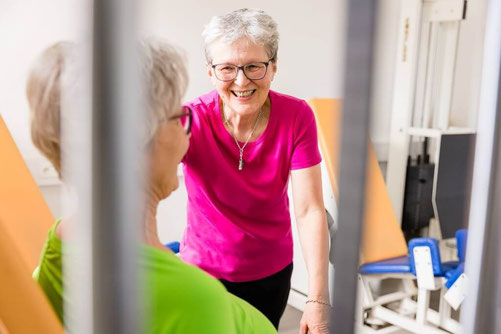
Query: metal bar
point(353, 162)
point(77, 196)
point(482, 258)
point(489, 294)
point(445, 73)
point(430, 70)
point(116, 210)
point(403, 101)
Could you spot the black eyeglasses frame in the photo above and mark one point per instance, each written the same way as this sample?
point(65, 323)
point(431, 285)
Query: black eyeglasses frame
point(242, 68)
point(186, 112)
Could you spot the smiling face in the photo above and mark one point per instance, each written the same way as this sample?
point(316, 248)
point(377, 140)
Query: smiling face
point(241, 95)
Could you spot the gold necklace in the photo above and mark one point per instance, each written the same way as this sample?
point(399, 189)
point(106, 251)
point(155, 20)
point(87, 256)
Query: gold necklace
point(241, 148)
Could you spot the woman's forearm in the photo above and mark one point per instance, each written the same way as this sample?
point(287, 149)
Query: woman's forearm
point(314, 239)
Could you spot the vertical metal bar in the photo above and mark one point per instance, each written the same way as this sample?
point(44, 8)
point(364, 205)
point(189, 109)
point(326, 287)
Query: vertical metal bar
point(480, 313)
point(76, 105)
point(116, 201)
point(445, 73)
point(430, 72)
point(489, 292)
point(353, 160)
point(403, 100)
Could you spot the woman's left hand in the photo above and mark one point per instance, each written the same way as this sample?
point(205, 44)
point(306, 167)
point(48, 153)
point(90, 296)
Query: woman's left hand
point(315, 319)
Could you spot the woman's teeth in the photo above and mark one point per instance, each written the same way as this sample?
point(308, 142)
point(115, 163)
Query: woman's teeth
point(244, 93)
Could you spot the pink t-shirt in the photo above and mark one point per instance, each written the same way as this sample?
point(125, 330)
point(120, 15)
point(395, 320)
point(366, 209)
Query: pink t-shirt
point(239, 226)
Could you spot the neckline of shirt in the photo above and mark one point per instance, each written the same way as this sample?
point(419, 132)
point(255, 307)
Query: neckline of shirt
point(228, 135)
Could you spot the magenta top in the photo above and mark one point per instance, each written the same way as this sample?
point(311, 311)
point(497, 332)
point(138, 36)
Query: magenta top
point(239, 226)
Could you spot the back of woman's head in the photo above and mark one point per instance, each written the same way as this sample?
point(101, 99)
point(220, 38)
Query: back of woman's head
point(54, 73)
point(43, 90)
point(166, 79)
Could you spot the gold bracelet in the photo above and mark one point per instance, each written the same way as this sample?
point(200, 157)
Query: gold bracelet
point(318, 302)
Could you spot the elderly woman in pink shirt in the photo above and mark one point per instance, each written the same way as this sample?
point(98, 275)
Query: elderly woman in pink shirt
point(247, 141)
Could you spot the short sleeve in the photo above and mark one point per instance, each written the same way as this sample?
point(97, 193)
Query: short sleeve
point(305, 153)
point(195, 129)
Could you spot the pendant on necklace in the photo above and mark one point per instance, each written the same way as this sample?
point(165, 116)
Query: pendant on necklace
point(241, 161)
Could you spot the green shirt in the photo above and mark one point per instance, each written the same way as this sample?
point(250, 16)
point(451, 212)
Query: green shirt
point(179, 298)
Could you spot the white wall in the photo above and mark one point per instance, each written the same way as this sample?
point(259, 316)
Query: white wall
point(309, 56)
point(26, 28)
point(466, 90)
point(385, 39)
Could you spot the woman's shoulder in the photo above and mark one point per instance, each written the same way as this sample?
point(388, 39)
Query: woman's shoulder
point(288, 103)
point(248, 319)
point(183, 298)
point(53, 243)
point(165, 266)
point(290, 107)
point(204, 103)
point(282, 98)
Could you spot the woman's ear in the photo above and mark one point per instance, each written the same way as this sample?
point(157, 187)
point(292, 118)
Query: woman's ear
point(274, 68)
point(210, 73)
point(209, 70)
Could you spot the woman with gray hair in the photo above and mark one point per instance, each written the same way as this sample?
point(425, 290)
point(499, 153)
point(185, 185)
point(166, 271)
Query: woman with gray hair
point(247, 141)
point(178, 298)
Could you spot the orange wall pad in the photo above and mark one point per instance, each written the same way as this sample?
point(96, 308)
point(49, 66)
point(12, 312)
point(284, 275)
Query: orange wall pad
point(382, 237)
point(24, 309)
point(25, 220)
point(22, 206)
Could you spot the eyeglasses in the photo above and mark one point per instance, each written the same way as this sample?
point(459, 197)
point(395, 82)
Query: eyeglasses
point(185, 118)
point(253, 71)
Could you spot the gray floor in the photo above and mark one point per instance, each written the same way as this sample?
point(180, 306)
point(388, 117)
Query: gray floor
point(289, 324)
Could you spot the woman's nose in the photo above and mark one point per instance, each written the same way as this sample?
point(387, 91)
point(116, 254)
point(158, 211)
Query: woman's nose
point(241, 79)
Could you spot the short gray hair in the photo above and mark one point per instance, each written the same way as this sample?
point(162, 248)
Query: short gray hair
point(254, 24)
point(163, 68)
point(43, 90)
point(54, 73)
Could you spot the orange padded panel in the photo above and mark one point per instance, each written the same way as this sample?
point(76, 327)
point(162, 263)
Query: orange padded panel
point(24, 309)
point(22, 207)
point(25, 221)
point(382, 237)
point(328, 117)
point(3, 329)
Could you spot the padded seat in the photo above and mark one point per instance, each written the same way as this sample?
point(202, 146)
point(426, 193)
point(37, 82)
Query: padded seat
point(440, 269)
point(396, 265)
point(449, 267)
point(173, 246)
point(403, 264)
point(461, 237)
point(453, 275)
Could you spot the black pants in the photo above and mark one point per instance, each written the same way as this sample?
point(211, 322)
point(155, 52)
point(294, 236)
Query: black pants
point(269, 295)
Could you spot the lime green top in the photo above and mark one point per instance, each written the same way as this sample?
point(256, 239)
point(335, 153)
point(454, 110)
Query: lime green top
point(180, 298)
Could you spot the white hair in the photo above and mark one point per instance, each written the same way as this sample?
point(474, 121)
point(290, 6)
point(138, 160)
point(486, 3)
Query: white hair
point(163, 68)
point(43, 90)
point(254, 24)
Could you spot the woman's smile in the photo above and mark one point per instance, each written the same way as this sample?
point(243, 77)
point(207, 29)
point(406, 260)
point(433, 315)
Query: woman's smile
point(244, 93)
